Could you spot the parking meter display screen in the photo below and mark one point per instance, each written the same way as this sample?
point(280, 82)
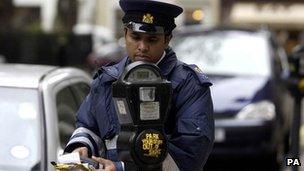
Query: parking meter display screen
point(143, 74)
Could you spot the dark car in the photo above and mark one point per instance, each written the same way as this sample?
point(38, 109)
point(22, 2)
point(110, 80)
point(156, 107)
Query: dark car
point(252, 107)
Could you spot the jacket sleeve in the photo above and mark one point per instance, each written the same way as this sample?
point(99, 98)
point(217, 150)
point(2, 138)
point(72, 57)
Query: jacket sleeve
point(86, 134)
point(193, 135)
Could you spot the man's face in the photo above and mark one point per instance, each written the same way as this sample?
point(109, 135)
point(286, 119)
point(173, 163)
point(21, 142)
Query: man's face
point(145, 47)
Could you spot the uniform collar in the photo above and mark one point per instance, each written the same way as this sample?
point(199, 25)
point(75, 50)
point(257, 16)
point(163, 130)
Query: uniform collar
point(164, 54)
point(167, 64)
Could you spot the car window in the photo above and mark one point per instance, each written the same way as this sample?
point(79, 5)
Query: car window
point(20, 128)
point(225, 52)
point(80, 91)
point(66, 108)
point(68, 101)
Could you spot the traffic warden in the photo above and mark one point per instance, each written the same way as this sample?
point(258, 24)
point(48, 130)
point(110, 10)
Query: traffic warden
point(190, 125)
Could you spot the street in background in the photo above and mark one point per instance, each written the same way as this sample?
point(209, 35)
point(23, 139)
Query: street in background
point(252, 106)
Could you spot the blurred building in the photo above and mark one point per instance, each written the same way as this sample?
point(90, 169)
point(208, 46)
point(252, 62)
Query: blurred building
point(87, 17)
point(39, 32)
point(281, 16)
point(204, 12)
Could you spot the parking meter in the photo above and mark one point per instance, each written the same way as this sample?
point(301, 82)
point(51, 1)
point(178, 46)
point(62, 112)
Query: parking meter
point(142, 98)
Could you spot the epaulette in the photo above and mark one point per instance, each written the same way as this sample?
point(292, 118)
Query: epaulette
point(110, 63)
point(98, 73)
point(101, 70)
point(198, 73)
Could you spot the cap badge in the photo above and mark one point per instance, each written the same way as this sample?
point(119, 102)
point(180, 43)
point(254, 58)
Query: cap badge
point(148, 18)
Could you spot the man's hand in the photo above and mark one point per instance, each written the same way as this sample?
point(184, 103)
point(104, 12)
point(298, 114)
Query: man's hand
point(108, 165)
point(83, 151)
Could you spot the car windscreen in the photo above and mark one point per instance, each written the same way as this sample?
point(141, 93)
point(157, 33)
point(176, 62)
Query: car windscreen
point(19, 128)
point(225, 52)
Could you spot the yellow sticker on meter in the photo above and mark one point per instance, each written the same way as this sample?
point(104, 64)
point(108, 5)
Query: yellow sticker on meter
point(151, 143)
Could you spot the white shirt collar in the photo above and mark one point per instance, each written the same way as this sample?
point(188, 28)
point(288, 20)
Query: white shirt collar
point(164, 54)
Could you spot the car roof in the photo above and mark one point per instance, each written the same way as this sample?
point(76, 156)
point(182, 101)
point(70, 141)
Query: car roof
point(23, 75)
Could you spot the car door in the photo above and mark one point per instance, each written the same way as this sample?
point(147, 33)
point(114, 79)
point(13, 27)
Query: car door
point(63, 91)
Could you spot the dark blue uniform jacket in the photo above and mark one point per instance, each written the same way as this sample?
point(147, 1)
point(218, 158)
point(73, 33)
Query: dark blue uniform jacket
point(190, 125)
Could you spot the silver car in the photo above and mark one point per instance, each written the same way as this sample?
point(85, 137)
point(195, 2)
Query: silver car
point(37, 113)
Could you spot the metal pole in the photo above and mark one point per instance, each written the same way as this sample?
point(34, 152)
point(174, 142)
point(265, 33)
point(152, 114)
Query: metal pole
point(295, 130)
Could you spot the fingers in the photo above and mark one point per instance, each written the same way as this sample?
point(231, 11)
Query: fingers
point(107, 165)
point(83, 151)
point(100, 160)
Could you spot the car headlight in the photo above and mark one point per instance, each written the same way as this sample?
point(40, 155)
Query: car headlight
point(264, 110)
